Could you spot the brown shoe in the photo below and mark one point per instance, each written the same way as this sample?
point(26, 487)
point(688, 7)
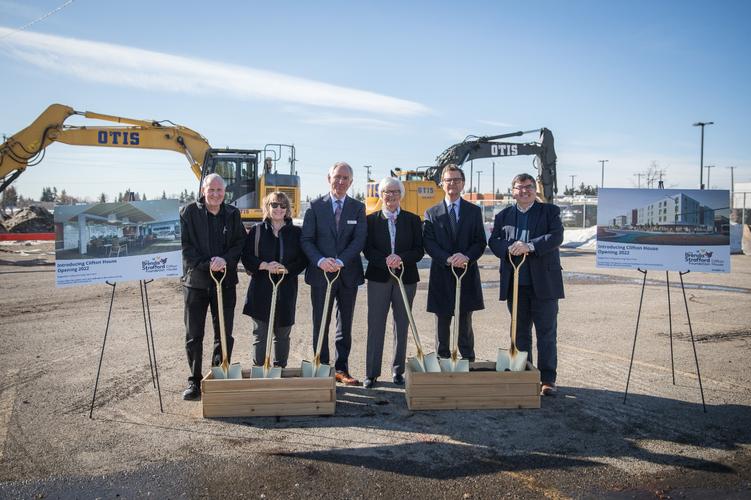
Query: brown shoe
point(548, 389)
point(346, 379)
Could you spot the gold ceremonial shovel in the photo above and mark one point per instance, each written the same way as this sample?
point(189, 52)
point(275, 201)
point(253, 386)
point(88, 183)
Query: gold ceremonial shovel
point(422, 362)
point(316, 369)
point(454, 364)
point(268, 371)
point(225, 370)
point(513, 359)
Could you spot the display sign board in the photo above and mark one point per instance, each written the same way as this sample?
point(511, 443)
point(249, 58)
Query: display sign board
point(668, 229)
point(117, 242)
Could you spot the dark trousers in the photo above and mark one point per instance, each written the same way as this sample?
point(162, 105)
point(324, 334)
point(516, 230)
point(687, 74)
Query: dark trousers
point(466, 335)
point(544, 315)
point(381, 298)
point(280, 343)
point(344, 297)
point(197, 303)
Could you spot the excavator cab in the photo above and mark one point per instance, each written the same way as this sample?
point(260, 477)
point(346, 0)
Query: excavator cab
point(246, 185)
point(239, 169)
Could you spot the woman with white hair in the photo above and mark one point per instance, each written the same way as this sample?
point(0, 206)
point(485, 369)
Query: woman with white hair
point(394, 241)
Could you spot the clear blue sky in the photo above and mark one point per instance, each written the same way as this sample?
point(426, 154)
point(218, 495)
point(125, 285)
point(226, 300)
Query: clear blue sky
point(386, 83)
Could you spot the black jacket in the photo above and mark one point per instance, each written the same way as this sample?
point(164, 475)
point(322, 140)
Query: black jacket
point(258, 299)
point(408, 246)
point(195, 244)
point(440, 245)
point(546, 233)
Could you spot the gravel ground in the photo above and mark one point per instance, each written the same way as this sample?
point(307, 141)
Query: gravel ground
point(584, 443)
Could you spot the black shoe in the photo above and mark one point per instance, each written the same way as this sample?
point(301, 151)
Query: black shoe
point(369, 382)
point(192, 393)
point(398, 379)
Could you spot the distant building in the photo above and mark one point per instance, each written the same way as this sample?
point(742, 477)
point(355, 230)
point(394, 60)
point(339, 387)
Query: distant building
point(620, 221)
point(677, 211)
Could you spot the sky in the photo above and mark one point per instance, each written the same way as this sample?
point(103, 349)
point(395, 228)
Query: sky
point(386, 84)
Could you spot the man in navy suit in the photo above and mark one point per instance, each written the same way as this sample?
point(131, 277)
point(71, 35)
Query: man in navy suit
point(535, 229)
point(454, 235)
point(333, 235)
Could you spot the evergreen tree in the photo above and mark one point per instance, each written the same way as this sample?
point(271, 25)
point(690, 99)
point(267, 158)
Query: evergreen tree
point(103, 198)
point(164, 194)
point(10, 197)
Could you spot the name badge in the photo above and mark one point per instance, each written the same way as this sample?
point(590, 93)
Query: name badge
point(351, 222)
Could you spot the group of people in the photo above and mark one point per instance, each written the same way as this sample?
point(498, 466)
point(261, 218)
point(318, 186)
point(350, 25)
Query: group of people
point(334, 234)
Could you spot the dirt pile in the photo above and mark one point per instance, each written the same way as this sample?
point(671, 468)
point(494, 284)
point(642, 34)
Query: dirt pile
point(32, 219)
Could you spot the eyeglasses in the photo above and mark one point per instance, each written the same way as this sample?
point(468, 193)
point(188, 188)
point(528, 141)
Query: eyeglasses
point(453, 180)
point(526, 187)
point(392, 192)
point(278, 205)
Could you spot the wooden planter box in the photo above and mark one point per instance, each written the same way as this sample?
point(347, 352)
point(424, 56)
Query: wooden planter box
point(251, 397)
point(481, 388)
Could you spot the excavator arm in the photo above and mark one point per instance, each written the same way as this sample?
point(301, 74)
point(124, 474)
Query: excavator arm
point(27, 147)
point(489, 147)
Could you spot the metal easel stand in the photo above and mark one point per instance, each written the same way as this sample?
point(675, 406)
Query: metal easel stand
point(149, 341)
point(670, 323)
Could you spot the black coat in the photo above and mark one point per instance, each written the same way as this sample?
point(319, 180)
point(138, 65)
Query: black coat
point(440, 245)
point(408, 246)
point(546, 233)
point(194, 226)
point(258, 299)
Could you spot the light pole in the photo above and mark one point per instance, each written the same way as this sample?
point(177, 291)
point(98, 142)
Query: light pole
point(572, 184)
point(732, 186)
point(494, 180)
point(709, 186)
point(701, 157)
point(638, 175)
point(602, 178)
point(478, 182)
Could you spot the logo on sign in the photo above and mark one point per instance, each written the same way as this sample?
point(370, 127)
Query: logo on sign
point(154, 264)
point(699, 257)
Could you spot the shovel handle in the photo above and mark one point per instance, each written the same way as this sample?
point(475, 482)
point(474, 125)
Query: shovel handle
point(220, 310)
point(515, 297)
point(408, 308)
point(272, 317)
point(324, 313)
point(455, 322)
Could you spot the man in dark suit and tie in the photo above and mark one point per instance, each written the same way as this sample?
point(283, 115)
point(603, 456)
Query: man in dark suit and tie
point(535, 229)
point(333, 235)
point(454, 235)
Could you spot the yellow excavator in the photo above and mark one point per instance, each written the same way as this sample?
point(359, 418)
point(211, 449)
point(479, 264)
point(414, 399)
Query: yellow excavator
point(246, 186)
point(422, 185)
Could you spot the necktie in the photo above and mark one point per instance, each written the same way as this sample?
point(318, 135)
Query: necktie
point(452, 219)
point(392, 231)
point(338, 212)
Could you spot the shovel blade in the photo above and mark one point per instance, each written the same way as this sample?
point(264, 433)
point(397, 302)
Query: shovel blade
point(307, 369)
point(260, 372)
point(310, 370)
point(431, 363)
point(234, 372)
point(446, 365)
point(507, 362)
point(415, 366)
point(217, 372)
